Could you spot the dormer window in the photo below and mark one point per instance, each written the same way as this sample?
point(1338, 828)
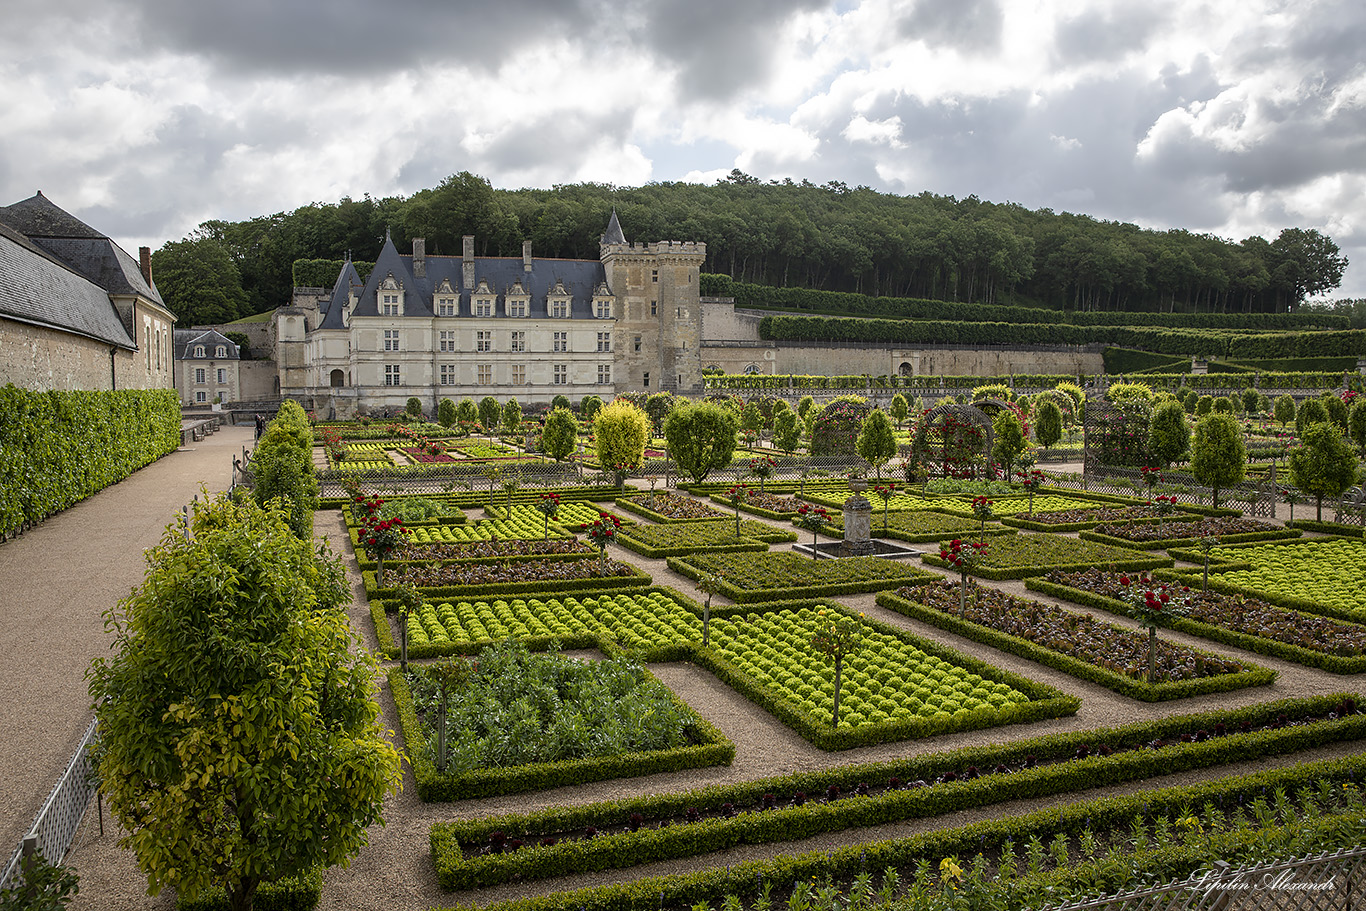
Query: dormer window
point(483, 306)
point(390, 297)
point(559, 308)
point(389, 305)
point(220, 351)
point(602, 308)
point(445, 306)
point(516, 307)
point(198, 350)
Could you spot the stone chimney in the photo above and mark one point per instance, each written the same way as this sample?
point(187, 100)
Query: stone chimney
point(467, 265)
point(145, 262)
point(526, 256)
point(419, 257)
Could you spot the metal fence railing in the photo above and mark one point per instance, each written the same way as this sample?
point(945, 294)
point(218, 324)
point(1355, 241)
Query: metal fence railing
point(1322, 882)
point(54, 828)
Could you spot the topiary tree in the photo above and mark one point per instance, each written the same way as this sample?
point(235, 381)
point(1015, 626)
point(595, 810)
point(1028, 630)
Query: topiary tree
point(1284, 410)
point(876, 442)
point(751, 418)
point(657, 408)
point(490, 413)
point(589, 406)
point(804, 404)
point(899, 409)
point(787, 433)
point(620, 434)
point(561, 401)
point(445, 413)
point(1323, 465)
point(414, 407)
point(1204, 405)
point(1252, 400)
point(1189, 399)
point(1169, 435)
point(1312, 411)
point(467, 412)
point(1356, 423)
point(701, 438)
point(560, 437)
point(1219, 457)
point(1008, 442)
point(1223, 405)
point(219, 694)
point(1336, 408)
point(512, 416)
point(282, 468)
point(1047, 423)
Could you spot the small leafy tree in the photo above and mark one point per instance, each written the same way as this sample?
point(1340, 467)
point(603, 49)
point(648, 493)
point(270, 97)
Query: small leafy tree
point(709, 585)
point(445, 413)
point(963, 558)
point(762, 468)
point(1150, 603)
point(560, 437)
point(813, 518)
point(737, 495)
point(549, 505)
point(512, 416)
point(1312, 411)
point(981, 508)
point(876, 442)
point(1031, 483)
point(467, 412)
point(561, 401)
point(1336, 408)
point(282, 468)
point(701, 438)
point(490, 413)
point(836, 638)
point(1323, 465)
point(1223, 405)
point(1047, 423)
point(804, 405)
point(589, 406)
point(1284, 410)
point(1252, 400)
point(1169, 435)
point(657, 408)
point(234, 672)
point(899, 409)
point(452, 675)
point(885, 492)
point(414, 407)
point(381, 537)
point(751, 418)
point(409, 602)
point(1009, 440)
point(602, 532)
point(1219, 456)
point(620, 434)
point(787, 434)
point(1356, 423)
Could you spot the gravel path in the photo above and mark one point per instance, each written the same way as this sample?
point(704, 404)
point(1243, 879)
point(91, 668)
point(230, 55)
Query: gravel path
point(395, 873)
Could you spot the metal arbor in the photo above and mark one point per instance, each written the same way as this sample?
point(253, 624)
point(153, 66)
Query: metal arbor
point(955, 440)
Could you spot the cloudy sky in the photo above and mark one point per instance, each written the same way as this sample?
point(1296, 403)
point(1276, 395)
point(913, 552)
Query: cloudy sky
point(1236, 117)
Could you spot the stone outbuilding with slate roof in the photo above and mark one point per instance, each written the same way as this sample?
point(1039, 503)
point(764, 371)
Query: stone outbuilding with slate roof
point(76, 310)
point(453, 327)
point(207, 367)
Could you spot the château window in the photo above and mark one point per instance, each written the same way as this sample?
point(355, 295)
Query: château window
point(604, 341)
point(483, 307)
point(199, 374)
point(445, 307)
point(647, 379)
point(519, 374)
point(654, 275)
point(391, 375)
point(198, 350)
point(483, 341)
point(637, 343)
point(485, 374)
point(220, 351)
point(446, 341)
point(559, 308)
point(603, 308)
point(201, 397)
point(561, 341)
point(389, 305)
point(447, 374)
point(654, 308)
point(222, 376)
point(516, 308)
point(561, 374)
point(604, 373)
point(390, 339)
point(518, 341)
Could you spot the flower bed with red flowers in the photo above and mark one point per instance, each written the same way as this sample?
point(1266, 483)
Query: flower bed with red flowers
point(1077, 644)
point(1237, 620)
point(425, 456)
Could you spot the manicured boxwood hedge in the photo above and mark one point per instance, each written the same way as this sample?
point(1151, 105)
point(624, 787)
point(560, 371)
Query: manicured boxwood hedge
point(921, 526)
point(478, 499)
point(850, 575)
point(1337, 664)
point(293, 893)
point(683, 890)
point(1057, 771)
point(1044, 701)
point(1251, 675)
point(1007, 557)
point(1168, 543)
point(711, 748)
point(636, 578)
point(1328, 528)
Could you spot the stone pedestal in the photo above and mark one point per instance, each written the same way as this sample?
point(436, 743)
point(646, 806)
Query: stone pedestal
point(858, 525)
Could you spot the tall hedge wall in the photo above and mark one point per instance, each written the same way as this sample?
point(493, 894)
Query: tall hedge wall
point(848, 304)
point(57, 448)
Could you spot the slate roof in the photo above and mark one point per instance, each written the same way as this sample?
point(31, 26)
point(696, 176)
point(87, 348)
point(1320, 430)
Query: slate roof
point(186, 339)
point(36, 288)
point(580, 277)
point(613, 234)
point(341, 291)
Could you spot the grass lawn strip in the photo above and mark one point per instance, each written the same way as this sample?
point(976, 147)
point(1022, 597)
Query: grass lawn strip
point(1233, 619)
point(1113, 656)
point(747, 578)
point(1324, 576)
point(1018, 556)
point(642, 829)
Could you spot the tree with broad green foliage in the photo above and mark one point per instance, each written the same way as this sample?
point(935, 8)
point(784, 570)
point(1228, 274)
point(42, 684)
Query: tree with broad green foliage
point(1204, 405)
point(467, 412)
point(490, 413)
point(620, 434)
point(876, 442)
point(1047, 423)
point(787, 434)
point(1169, 436)
point(560, 437)
point(657, 408)
point(561, 401)
point(589, 406)
point(1322, 465)
point(1336, 408)
point(1223, 405)
point(1252, 400)
point(751, 418)
point(239, 735)
point(512, 416)
point(1284, 410)
point(445, 413)
point(414, 407)
point(804, 404)
point(1218, 454)
point(1356, 423)
point(899, 409)
point(701, 437)
point(1312, 411)
point(1009, 440)
point(199, 281)
point(1189, 399)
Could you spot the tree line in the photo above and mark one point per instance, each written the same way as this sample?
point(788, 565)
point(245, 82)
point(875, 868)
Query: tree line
point(829, 237)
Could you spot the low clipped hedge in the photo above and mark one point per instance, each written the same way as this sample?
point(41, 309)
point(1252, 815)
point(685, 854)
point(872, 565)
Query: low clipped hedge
point(291, 893)
point(746, 879)
point(1123, 558)
point(1044, 701)
point(712, 748)
point(637, 578)
point(745, 506)
point(1058, 772)
point(1253, 675)
point(478, 499)
point(1329, 528)
point(1168, 543)
point(923, 526)
point(904, 575)
point(1337, 664)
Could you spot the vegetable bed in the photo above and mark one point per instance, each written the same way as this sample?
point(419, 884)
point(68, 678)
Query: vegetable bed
point(1018, 556)
point(746, 578)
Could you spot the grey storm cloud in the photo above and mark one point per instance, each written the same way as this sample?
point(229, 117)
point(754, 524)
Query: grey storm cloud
point(1106, 34)
point(964, 25)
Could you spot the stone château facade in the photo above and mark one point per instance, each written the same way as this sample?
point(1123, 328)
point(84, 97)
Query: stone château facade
point(438, 327)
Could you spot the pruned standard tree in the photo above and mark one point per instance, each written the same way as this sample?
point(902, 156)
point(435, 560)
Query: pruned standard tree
point(560, 437)
point(701, 438)
point(876, 442)
point(1169, 435)
point(240, 740)
point(1218, 455)
point(1323, 465)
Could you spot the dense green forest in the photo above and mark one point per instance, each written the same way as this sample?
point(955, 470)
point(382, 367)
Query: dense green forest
point(829, 237)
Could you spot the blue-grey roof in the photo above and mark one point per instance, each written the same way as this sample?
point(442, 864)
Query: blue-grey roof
point(185, 341)
point(580, 277)
point(613, 234)
point(341, 291)
point(38, 289)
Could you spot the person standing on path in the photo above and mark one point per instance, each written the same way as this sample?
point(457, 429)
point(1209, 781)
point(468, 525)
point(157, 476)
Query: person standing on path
point(260, 426)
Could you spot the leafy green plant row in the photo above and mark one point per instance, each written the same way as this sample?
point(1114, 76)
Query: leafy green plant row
point(57, 448)
point(923, 526)
point(1052, 642)
point(1168, 543)
point(510, 577)
point(1329, 528)
point(478, 499)
point(1018, 556)
point(1254, 636)
point(710, 748)
point(1332, 569)
point(765, 811)
point(747, 578)
point(745, 880)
